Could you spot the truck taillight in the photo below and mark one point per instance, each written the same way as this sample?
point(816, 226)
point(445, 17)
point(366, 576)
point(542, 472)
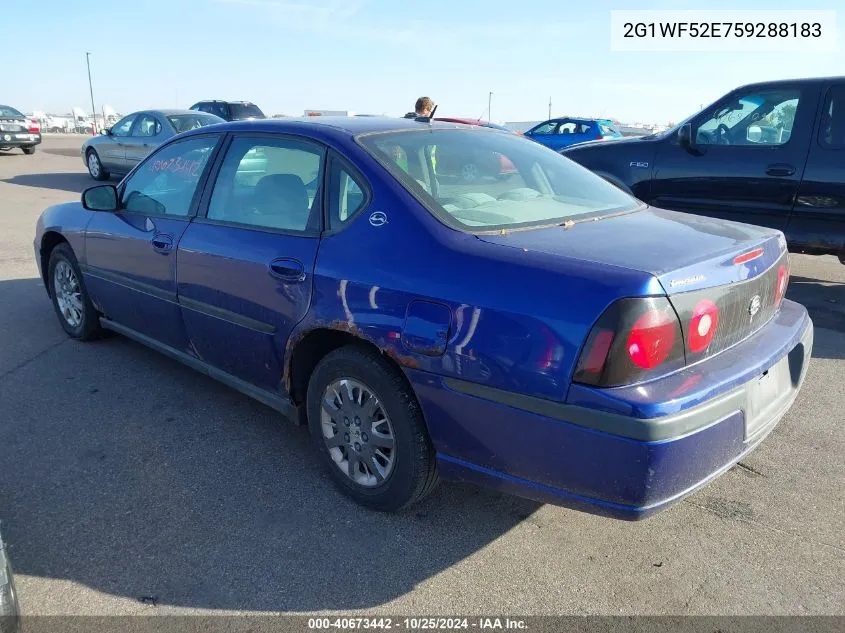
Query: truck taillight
point(634, 340)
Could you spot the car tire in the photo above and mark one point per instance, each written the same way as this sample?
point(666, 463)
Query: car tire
point(71, 302)
point(29, 151)
point(370, 402)
point(95, 166)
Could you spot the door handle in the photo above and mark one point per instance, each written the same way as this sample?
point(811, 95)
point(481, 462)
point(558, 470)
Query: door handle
point(162, 243)
point(288, 269)
point(780, 169)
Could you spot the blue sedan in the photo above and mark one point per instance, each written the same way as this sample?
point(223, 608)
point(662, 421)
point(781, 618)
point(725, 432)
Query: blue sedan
point(546, 335)
point(559, 133)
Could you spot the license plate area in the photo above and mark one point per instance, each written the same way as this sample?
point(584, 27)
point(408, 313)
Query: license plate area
point(766, 395)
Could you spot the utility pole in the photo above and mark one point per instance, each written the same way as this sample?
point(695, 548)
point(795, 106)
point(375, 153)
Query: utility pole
point(489, 104)
point(550, 107)
point(91, 89)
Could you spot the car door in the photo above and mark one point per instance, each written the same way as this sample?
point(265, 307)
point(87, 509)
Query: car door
point(130, 261)
point(747, 159)
point(245, 264)
point(818, 219)
point(544, 133)
point(112, 149)
point(579, 132)
point(146, 134)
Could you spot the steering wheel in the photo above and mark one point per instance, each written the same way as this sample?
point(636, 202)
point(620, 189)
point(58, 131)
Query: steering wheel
point(721, 133)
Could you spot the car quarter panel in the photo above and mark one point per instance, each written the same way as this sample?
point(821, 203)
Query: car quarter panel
point(517, 319)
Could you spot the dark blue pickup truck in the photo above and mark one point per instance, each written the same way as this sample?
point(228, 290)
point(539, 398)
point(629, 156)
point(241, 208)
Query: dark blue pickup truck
point(771, 154)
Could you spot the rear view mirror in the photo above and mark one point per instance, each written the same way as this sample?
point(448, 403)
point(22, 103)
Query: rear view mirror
point(100, 198)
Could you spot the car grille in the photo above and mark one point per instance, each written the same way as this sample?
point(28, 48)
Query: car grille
point(736, 322)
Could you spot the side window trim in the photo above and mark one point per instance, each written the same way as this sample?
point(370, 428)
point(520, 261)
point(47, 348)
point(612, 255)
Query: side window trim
point(201, 184)
point(824, 103)
point(336, 162)
point(211, 176)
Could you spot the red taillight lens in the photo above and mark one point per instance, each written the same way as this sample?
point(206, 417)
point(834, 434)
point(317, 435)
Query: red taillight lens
point(634, 340)
point(651, 339)
point(702, 327)
point(34, 127)
point(783, 282)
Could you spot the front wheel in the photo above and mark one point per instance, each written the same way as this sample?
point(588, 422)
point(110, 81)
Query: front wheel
point(369, 430)
point(29, 151)
point(95, 167)
point(73, 306)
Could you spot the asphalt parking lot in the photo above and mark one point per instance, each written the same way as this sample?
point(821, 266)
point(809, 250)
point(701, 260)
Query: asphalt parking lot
point(132, 485)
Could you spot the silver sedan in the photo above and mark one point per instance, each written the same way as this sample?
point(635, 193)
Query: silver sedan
point(119, 148)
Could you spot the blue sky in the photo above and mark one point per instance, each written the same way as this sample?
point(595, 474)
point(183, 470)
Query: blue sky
point(374, 56)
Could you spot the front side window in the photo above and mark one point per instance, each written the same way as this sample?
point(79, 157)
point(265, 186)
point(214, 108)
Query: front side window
point(270, 183)
point(832, 130)
point(147, 125)
point(515, 182)
point(124, 126)
point(758, 118)
point(166, 182)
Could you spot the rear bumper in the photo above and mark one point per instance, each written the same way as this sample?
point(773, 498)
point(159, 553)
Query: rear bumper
point(19, 139)
point(591, 457)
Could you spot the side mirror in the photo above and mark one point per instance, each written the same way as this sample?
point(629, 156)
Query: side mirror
point(106, 131)
point(100, 198)
point(685, 137)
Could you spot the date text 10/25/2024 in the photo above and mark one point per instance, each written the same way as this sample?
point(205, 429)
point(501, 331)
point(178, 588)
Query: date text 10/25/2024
point(418, 624)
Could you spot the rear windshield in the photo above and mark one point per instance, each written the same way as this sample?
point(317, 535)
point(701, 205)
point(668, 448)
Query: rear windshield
point(185, 122)
point(245, 111)
point(7, 111)
point(479, 179)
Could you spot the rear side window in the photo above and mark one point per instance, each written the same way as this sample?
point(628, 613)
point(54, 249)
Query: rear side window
point(347, 194)
point(608, 130)
point(217, 109)
point(832, 130)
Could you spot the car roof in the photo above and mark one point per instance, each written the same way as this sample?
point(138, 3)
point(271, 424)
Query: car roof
point(783, 82)
point(174, 111)
point(336, 124)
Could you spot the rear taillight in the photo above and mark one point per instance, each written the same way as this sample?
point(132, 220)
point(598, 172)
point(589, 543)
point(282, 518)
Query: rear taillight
point(782, 282)
point(703, 325)
point(634, 340)
point(34, 127)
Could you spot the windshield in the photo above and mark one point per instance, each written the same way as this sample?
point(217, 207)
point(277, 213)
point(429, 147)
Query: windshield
point(478, 179)
point(192, 121)
point(7, 111)
point(245, 111)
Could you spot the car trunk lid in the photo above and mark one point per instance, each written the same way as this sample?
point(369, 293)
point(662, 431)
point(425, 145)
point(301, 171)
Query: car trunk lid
point(697, 260)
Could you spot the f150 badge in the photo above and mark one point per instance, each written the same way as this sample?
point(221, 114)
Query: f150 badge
point(641, 165)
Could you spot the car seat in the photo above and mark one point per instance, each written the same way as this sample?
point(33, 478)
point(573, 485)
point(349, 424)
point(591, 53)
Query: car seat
point(282, 202)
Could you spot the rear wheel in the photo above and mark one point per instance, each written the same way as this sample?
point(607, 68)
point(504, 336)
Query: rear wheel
point(76, 313)
point(95, 167)
point(369, 430)
point(28, 150)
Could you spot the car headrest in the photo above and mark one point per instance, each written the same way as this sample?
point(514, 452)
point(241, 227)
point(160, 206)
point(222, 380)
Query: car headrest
point(285, 190)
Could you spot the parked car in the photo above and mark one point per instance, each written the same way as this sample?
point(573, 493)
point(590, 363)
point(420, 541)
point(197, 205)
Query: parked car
point(17, 130)
point(469, 164)
point(559, 133)
point(230, 110)
point(9, 607)
point(769, 154)
point(122, 146)
point(554, 338)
